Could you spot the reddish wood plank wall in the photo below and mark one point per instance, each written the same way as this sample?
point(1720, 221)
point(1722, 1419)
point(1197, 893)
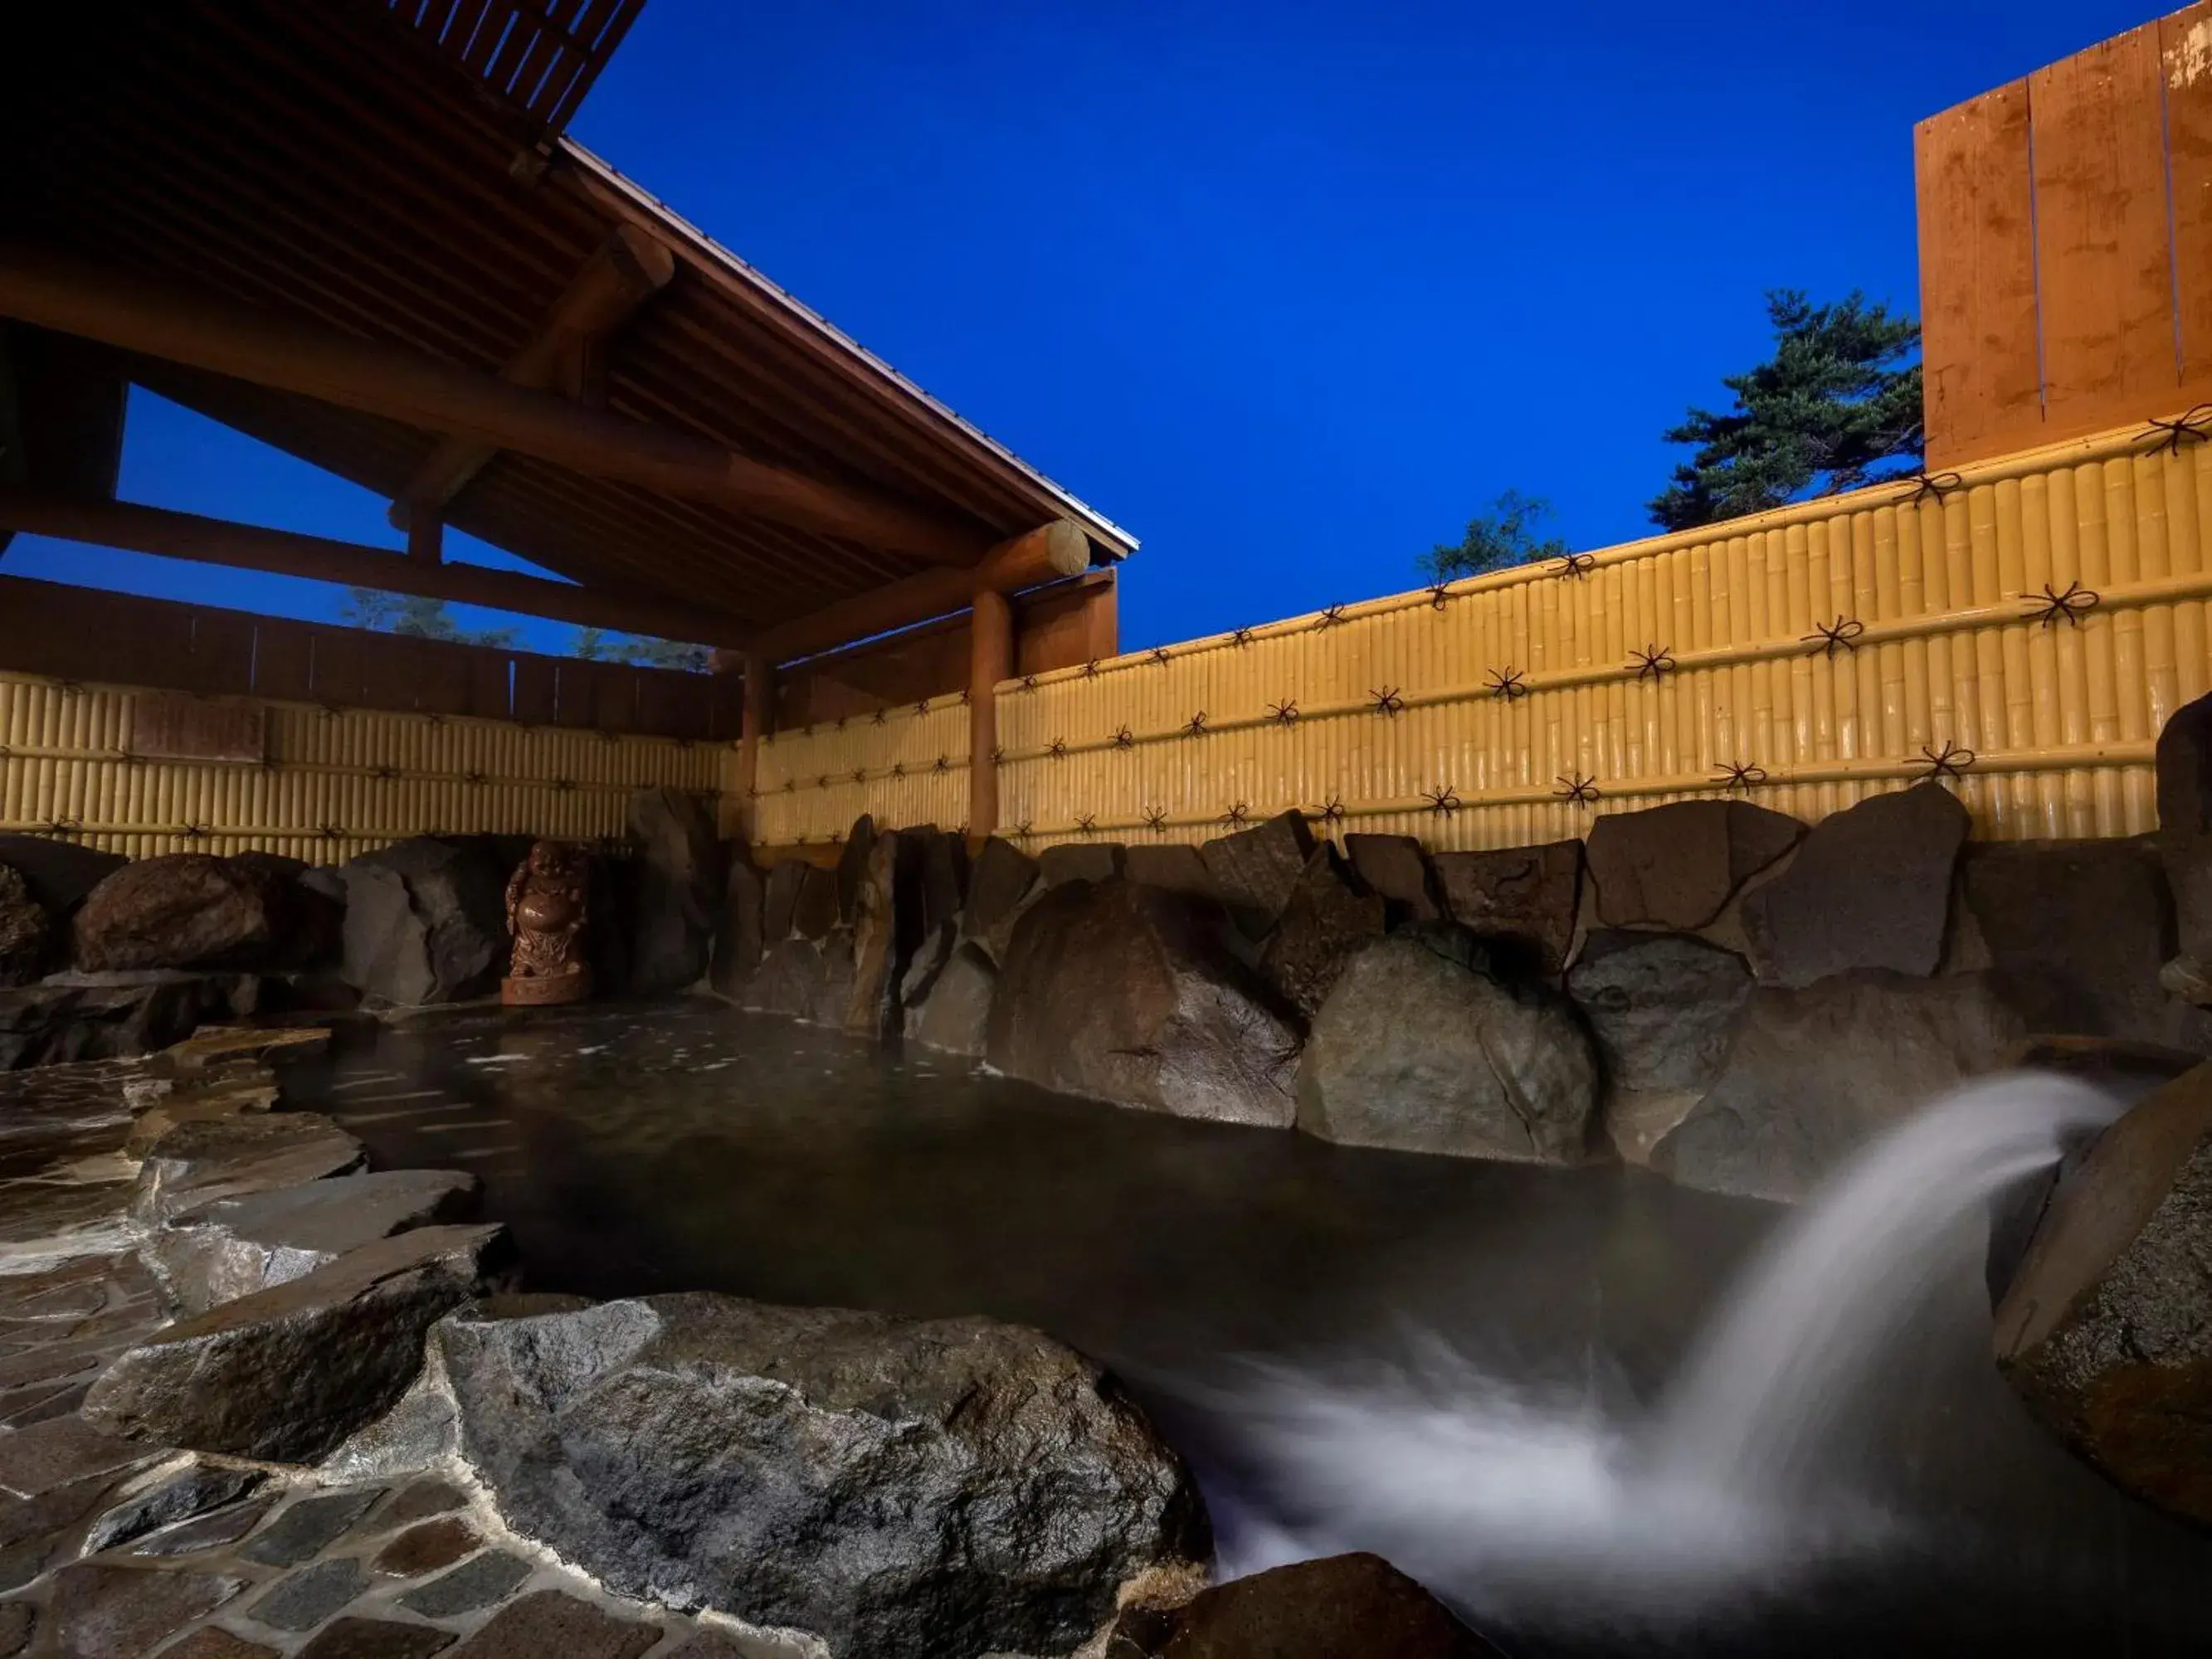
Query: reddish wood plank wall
point(92, 637)
point(2066, 246)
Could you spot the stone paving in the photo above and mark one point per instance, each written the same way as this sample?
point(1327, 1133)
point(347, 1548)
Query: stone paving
point(111, 1549)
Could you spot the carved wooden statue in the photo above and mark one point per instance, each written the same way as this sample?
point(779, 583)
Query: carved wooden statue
point(546, 912)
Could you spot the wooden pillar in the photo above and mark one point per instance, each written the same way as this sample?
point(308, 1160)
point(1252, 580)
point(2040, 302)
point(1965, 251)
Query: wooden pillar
point(759, 714)
point(991, 659)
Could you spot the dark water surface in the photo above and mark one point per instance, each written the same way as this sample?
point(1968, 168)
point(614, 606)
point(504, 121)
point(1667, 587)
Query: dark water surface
point(687, 1147)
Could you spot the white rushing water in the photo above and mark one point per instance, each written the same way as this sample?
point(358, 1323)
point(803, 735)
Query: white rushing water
point(1552, 1508)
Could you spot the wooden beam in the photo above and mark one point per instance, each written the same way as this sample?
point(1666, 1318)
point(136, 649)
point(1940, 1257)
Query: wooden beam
point(246, 547)
point(268, 349)
point(990, 659)
point(426, 539)
point(625, 271)
point(1043, 554)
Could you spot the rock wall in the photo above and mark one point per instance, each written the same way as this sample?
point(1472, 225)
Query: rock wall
point(1733, 996)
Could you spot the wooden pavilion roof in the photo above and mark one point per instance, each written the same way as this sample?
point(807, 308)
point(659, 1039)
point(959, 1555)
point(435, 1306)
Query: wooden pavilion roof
point(392, 170)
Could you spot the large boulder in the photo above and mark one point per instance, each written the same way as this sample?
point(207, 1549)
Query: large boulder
point(1664, 1007)
point(789, 980)
point(1126, 993)
point(306, 908)
point(1003, 881)
point(218, 1252)
point(814, 913)
point(1869, 888)
point(1814, 1074)
point(203, 1160)
point(1427, 1045)
point(1396, 868)
point(898, 1489)
point(1527, 894)
point(1676, 866)
point(955, 1014)
point(851, 872)
point(426, 921)
point(26, 931)
point(1342, 1606)
point(942, 863)
point(2076, 932)
point(738, 934)
point(1325, 921)
point(284, 1375)
point(179, 910)
point(2105, 1330)
point(1176, 865)
point(886, 929)
point(115, 1016)
point(2185, 826)
point(780, 891)
point(60, 872)
point(679, 890)
point(1256, 871)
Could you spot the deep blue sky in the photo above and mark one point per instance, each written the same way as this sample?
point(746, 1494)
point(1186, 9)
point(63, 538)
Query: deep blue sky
point(1289, 290)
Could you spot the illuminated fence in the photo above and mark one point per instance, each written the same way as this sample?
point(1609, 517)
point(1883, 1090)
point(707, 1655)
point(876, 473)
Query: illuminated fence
point(334, 782)
point(2023, 629)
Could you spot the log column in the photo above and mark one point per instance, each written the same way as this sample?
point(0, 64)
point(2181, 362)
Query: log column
point(991, 659)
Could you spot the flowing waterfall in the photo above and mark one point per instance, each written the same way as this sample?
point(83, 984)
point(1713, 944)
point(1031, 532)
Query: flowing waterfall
point(1510, 1501)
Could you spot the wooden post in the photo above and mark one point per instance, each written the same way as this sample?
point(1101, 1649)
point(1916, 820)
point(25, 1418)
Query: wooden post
point(991, 659)
point(759, 716)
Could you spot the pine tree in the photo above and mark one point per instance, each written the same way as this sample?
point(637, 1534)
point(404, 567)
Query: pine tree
point(1838, 398)
point(416, 616)
point(1495, 543)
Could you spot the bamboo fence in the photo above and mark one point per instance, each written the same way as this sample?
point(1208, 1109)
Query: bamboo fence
point(2022, 630)
point(336, 782)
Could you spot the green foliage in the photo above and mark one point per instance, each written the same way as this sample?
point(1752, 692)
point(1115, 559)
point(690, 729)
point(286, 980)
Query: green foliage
point(418, 617)
point(1835, 400)
point(598, 644)
point(1504, 539)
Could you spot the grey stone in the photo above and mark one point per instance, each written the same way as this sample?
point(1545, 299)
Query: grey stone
point(1815, 1074)
point(2076, 932)
point(928, 961)
point(789, 980)
point(780, 899)
point(1124, 994)
point(957, 1016)
point(60, 872)
point(217, 1252)
point(492, 1576)
point(1423, 1046)
point(1256, 871)
point(177, 910)
point(102, 1612)
point(1676, 866)
point(1663, 1007)
point(853, 867)
point(19, 1620)
point(80, 1016)
point(2106, 1331)
point(309, 1526)
point(1869, 888)
point(441, 935)
point(423, 1498)
point(355, 1638)
point(1175, 866)
point(60, 1452)
point(2185, 822)
point(886, 925)
point(834, 1003)
point(1396, 868)
point(208, 1532)
point(1324, 923)
point(286, 1374)
point(198, 1162)
point(305, 1598)
point(738, 937)
point(26, 931)
point(1527, 894)
point(679, 890)
point(429, 1547)
point(815, 915)
point(173, 1498)
point(214, 1642)
point(944, 877)
point(1341, 1607)
point(902, 1489)
point(1080, 860)
point(1003, 878)
point(551, 1623)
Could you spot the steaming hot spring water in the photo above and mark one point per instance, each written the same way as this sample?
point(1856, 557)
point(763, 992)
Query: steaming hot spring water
point(1597, 1412)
